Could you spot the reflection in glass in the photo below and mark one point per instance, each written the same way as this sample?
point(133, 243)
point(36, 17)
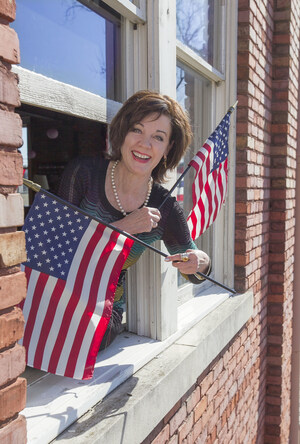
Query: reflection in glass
point(199, 26)
point(22, 189)
point(65, 40)
point(193, 92)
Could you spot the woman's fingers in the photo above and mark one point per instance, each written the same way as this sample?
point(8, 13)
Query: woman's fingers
point(190, 262)
point(140, 221)
point(154, 217)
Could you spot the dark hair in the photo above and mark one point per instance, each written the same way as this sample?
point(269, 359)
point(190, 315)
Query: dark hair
point(134, 110)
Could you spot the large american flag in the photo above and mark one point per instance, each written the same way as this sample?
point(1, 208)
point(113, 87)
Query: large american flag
point(73, 266)
point(210, 183)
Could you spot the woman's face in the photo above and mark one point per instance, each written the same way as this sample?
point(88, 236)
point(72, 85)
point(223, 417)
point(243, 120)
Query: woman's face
point(145, 144)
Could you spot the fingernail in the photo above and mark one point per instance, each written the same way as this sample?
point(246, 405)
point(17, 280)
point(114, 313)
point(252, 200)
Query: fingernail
point(167, 259)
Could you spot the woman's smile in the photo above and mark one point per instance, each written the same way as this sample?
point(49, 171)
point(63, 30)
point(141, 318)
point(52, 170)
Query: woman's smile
point(140, 157)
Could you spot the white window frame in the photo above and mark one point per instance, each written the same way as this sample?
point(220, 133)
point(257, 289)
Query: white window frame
point(150, 62)
point(223, 96)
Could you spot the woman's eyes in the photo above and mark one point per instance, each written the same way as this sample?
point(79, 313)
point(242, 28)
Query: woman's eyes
point(139, 131)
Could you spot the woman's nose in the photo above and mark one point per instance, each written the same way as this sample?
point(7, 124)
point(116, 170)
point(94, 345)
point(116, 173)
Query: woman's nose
point(145, 141)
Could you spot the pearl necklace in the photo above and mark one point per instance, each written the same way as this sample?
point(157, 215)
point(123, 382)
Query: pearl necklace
point(114, 188)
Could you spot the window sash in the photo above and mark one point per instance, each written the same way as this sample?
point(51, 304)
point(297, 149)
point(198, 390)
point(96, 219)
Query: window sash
point(133, 11)
point(41, 91)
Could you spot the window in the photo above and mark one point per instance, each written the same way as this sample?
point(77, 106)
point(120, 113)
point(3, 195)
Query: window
point(201, 88)
point(200, 26)
point(67, 41)
point(194, 94)
point(133, 39)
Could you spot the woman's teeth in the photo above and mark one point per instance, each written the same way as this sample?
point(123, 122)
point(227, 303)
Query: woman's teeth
point(140, 156)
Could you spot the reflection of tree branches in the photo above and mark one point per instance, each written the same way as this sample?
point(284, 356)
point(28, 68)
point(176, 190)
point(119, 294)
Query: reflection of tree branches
point(70, 11)
point(190, 23)
point(180, 81)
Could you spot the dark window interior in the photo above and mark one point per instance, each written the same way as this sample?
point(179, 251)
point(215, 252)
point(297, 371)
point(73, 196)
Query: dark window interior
point(53, 139)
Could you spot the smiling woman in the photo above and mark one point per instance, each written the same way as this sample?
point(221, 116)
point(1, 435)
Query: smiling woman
point(148, 136)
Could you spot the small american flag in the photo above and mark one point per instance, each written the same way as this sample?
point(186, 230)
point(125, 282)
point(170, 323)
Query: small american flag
point(73, 266)
point(210, 183)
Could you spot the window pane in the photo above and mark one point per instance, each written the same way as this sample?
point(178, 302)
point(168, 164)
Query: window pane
point(22, 189)
point(65, 40)
point(200, 27)
point(194, 93)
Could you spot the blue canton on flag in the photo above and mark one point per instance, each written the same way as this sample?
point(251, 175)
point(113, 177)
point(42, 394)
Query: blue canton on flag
point(53, 233)
point(220, 140)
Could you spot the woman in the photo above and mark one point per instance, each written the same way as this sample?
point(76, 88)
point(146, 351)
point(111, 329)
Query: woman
point(148, 136)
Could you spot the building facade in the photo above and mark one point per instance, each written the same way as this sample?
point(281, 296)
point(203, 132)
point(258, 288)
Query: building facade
point(194, 365)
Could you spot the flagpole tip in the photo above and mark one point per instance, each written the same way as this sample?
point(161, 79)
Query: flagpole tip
point(233, 107)
point(32, 185)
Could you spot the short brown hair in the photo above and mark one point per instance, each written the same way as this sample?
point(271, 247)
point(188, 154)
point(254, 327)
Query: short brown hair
point(139, 106)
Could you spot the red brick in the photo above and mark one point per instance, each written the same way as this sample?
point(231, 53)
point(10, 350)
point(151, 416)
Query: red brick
point(172, 412)
point(173, 440)
point(14, 432)
point(9, 93)
point(193, 400)
point(185, 427)
point(12, 363)
point(211, 392)
point(163, 436)
point(11, 327)
point(200, 408)
point(9, 44)
point(8, 9)
point(177, 419)
point(11, 168)
point(207, 414)
point(12, 399)
point(10, 131)
point(12, 289)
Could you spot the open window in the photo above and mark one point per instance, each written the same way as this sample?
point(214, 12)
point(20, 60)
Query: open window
point(100, 53)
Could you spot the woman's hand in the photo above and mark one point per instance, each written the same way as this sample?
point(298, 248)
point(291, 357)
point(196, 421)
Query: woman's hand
point(139, 221)
point(190, 262)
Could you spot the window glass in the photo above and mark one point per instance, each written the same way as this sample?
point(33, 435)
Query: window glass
point(200, 27)
point(194, 93)
point(65, 40)
point(23, 190)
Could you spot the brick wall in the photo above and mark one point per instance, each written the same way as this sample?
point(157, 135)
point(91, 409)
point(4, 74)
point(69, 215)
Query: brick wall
point(12, 242)
point(244, 397)
point(285, 87)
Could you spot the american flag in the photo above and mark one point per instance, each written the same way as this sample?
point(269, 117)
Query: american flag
point(73, 266)
point(210, 183)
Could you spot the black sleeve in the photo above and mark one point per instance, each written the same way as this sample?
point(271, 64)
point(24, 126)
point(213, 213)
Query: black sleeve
point(74, 181)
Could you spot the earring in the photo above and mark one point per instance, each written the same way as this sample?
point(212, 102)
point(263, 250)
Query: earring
point(165, 161)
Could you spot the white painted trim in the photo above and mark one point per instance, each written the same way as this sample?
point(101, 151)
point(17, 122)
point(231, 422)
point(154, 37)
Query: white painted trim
point(55, 402)
point(128, 10)
point(44, 92)
point(123, 416)
point(194, 61)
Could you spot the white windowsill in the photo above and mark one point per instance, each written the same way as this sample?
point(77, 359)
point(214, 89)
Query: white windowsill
point(55, 402)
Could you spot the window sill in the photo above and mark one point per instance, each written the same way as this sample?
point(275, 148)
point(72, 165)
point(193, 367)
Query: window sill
point(54, 402)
